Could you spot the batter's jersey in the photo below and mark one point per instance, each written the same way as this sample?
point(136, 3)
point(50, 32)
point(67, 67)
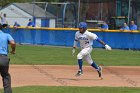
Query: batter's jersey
point(4, 38)
point(85, 39)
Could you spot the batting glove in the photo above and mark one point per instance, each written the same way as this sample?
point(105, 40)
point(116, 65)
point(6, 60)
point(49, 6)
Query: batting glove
point(73, 51)
point(107, 47)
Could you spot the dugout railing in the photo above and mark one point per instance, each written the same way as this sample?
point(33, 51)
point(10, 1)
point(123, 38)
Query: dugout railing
point(65, 36)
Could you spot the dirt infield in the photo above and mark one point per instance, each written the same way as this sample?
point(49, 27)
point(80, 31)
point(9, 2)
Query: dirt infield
point(57, 75)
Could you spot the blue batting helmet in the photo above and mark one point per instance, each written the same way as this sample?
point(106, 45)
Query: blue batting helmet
point(83, 25)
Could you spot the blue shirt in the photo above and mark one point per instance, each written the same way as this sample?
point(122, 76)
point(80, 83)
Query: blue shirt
point(125, 28)
point(133, 27)
point(105, 27)
point(4, 38)
point(16, 24)
point(31, 24)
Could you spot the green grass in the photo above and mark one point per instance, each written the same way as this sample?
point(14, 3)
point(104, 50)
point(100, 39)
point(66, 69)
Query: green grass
point(27, 54)
point(54, 89)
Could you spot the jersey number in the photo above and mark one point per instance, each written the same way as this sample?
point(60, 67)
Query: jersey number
point(86, 42)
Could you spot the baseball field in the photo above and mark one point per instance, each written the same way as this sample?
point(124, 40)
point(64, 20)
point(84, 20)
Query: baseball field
point(51, 69)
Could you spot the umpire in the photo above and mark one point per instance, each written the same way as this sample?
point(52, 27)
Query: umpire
point(6, 39)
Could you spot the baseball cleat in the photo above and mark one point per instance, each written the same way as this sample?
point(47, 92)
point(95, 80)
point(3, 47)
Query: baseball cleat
point(100, 72)
point(79, 73)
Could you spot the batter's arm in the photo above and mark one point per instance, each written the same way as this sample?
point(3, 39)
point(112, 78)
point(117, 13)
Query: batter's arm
point(100, 41)
point(107, 47)
point(74, 47)
point(75, 43)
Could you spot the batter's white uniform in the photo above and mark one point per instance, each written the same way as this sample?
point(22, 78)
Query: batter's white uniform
point(86, 42)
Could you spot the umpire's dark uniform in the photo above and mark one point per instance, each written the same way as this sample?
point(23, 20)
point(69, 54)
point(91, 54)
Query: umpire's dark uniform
point(4, 60)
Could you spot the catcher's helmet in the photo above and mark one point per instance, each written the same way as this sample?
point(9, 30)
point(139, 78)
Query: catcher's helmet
point(83, 25)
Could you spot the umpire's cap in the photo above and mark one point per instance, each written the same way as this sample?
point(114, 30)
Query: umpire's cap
point(83, 25)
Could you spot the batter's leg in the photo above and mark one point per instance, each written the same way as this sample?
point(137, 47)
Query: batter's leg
point(89, 60)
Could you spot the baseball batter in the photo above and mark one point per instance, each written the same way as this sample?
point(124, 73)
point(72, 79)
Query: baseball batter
point(86, 41)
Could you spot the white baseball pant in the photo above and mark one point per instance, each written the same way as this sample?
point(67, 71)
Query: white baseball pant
point(85, 54)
